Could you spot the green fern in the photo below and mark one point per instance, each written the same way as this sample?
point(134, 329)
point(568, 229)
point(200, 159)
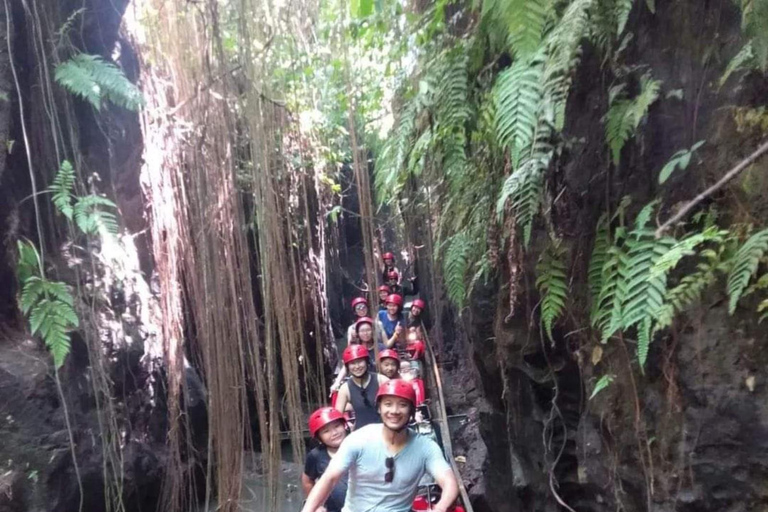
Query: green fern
point(95, 80)
point(62, 187)
point(686, 247)
point(524, 186)
point(92, 218)
point(623, 8)
point(624, 116)
point(598, 259)
point(455, 265)
point(28, 264)
point(745, 264)
point(552, 285)
point(518, 94)
point(742, 60)
point(49, 304)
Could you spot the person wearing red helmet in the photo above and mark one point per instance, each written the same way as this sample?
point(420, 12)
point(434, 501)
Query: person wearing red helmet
point(389, 363)
point(364, 335)
point(383, 294)
point(388, 260)
point(360, 390)
point(386, 462)
point(391, 323)
point(414, 322)
point(329, 428)
point(360, 307)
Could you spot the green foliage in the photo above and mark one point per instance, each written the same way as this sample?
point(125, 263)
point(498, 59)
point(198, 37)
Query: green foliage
point(745, 264)
point(552, 284)
point(602, 383)
point(744, 59)
point(623, 8)
point(522, 20)
point(679, 160)
point(95, 80)
point(455, 266)
point(525, 187)
point(625, 115)
point(62, 188)
point(49, 304)
point(93, 217)
point(517, 94)
point(599, 258)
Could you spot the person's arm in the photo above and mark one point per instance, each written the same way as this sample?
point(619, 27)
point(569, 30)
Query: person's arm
point(322, 489)
point(382, 378)
point(391, 342)
point(306, 484)
point(450, 490)
point(343, 398)
point(339, 379)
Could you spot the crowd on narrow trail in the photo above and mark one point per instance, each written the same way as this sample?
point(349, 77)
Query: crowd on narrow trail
point(392, 460)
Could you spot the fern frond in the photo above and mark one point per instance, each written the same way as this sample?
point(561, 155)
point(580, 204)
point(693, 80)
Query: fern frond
point(455, 265)
point(598, 259)
point(745, 264)
point(517, 94)
point(685, 248)
point(91, 217)
point(649, 93)
point(95, 80)
point(552, 284)
point(623, 8)
point(29, 261)
point(624, 116)
point(743, 59)
point(644, 337)
point(524, 186)
point(53, 319)
point(62, 188)
point(34, 288)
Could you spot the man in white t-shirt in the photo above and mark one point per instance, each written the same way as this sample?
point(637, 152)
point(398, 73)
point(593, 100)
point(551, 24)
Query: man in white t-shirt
point(386, 461)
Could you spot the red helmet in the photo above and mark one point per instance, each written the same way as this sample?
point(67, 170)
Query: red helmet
point(395, 299)
point(384, 288)
point(363, 320)
point(393, 275)
point(353, 353)
point(321, 418)
point(418, 303)
point(398, 388)
point(392, 354)
point(359, 300)
point(388, 256)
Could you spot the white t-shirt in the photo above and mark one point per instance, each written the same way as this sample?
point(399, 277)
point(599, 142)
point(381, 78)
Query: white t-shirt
point(363, 454)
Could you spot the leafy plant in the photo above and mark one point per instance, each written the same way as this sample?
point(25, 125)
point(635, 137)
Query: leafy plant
point(601, 384)
point(455, 266)
point(552, 285)
point(625, 115)
point(48, 304)
point(91, 213)
point(745, 264)
point(679, 160)
point(95, 80)
point(62, 187)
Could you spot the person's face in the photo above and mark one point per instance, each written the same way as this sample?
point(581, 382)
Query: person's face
point(383, 295)
point(332, 434)
point(415, 310)
point(365, 332)
point(392, 308)
point(392, 281)
point(389, 262)
point(389, 367)
point(358, 367)
point(361, 310)
point(395, 412)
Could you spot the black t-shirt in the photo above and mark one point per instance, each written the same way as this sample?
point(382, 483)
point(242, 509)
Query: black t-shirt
point(314, 467)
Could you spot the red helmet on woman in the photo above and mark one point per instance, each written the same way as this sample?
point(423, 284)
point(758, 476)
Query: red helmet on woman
point(395, 299)
point(359, 300)
point(418, 303)
point(388, 256)
point(392, 275)
point(363, 320)
point(321, 418)
point(353, 353)
point(389, 353)
point(398, 388)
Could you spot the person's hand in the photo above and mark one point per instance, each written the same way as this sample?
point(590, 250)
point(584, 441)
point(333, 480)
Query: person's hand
point(334, 388)
point(321, 509)
point(398, 329)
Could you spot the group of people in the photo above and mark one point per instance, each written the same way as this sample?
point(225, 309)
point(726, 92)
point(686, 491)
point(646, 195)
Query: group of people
point(379, 465)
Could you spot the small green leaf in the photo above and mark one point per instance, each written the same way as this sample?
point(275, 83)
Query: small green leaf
point(603, 383)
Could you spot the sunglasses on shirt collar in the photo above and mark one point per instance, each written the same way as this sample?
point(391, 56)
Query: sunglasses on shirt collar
point(389, 475)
